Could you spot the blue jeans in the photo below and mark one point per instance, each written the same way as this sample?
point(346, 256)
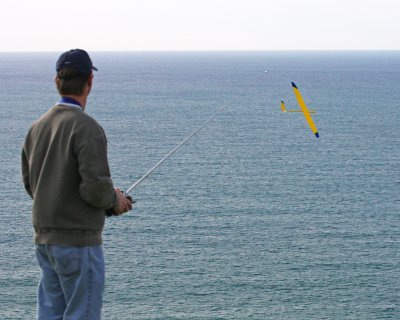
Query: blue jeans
point(72, 282)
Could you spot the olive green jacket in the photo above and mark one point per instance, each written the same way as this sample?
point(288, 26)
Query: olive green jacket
point(65, 170)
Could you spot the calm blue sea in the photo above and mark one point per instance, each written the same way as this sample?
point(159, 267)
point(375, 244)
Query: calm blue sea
point(254, 218)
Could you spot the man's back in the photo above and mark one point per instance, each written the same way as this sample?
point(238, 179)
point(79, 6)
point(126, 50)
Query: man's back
point(66, 172)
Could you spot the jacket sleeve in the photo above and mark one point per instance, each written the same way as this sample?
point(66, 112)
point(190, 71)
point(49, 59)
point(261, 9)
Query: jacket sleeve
point(25, 172)
point(96, 186)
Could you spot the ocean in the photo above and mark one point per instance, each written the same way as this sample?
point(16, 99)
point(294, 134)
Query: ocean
point(253, 218)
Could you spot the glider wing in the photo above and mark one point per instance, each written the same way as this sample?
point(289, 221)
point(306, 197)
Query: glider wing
point(305, 110)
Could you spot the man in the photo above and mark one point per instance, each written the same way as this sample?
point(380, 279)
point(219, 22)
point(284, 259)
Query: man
point(65, 171)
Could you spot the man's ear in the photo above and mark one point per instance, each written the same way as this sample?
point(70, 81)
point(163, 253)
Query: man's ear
point(89, 83)
point(90, 80)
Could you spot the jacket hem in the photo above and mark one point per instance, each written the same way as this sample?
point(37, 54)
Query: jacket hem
point(68, 237)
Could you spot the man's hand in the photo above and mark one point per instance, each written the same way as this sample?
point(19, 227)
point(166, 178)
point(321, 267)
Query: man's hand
point(124, 203)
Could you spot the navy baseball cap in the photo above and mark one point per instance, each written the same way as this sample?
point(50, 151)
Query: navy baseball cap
point(77, 59)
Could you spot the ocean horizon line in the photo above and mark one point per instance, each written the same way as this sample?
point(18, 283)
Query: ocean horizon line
point(214, 51)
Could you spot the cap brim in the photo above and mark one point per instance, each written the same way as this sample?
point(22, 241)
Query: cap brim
point(94, 68)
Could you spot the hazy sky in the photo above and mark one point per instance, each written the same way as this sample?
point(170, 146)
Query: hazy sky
point(53, 25)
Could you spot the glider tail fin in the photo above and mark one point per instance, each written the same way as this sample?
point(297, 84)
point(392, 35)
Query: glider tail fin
point(283, 107)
